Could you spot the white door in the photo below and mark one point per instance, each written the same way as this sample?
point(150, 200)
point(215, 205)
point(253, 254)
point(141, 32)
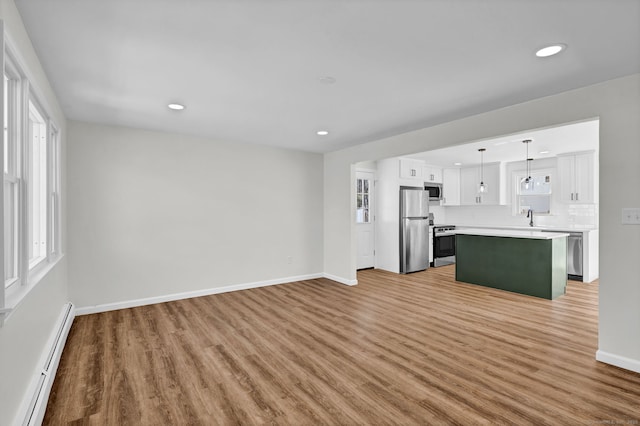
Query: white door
point(364, 216)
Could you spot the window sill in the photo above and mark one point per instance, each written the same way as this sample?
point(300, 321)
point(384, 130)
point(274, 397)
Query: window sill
point(16, 293)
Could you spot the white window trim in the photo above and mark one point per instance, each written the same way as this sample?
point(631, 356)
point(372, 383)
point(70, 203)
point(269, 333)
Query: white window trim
point(515, 178)
point(11, 296)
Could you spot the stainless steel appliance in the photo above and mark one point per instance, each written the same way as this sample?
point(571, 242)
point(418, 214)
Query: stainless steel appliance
point(434, 189)
point(414, 229)
point(574, 255)
point(444, 245)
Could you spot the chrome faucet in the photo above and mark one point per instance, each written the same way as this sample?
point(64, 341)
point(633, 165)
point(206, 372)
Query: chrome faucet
point(530, 214)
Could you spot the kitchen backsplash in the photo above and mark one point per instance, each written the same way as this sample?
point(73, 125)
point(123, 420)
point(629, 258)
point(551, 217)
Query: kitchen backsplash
point(572, 216)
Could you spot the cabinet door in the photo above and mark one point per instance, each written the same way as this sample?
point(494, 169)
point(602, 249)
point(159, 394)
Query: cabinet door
point(469, 180)
point(584, 181)
point(432, 174)
point(566, 172)
point(451, 187)
point(411, 169)
point(491, 174)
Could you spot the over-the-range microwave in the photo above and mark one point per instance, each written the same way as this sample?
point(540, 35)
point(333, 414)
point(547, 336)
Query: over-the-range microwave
point(434, 189)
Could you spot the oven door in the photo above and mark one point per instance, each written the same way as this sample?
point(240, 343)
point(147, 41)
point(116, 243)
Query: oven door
point(444, 249)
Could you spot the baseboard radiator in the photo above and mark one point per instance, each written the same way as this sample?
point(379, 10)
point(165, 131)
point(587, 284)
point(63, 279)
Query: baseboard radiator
point(38, 404)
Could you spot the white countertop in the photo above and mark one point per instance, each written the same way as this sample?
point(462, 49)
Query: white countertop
point(528, 228)
point(511, 233)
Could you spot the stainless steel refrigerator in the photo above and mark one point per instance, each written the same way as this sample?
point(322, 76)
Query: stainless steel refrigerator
point(414, 229)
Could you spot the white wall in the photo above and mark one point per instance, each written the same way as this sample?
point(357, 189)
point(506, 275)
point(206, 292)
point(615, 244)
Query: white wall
point(25, 334)
point(156, 214)
point(617, 104)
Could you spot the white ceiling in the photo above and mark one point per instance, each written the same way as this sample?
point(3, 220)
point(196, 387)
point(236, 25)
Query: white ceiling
point(249, 70)
point(545, 143)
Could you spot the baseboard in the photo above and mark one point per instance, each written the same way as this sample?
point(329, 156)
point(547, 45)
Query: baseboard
point(85, 310)
point(340, 279)
point(35, 403)
point(618, 361)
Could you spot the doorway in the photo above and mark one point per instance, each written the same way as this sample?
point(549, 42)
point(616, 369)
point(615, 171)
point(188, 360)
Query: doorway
point(364, 219)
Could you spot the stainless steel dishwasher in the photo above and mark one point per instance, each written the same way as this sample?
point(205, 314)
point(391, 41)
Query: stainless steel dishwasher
point(574, 254)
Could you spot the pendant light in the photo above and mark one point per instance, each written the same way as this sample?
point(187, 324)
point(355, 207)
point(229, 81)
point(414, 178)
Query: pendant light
point(526, 183)
point(482, 188)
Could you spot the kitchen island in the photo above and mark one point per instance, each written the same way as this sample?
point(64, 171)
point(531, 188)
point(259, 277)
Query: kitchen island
point(527, 262)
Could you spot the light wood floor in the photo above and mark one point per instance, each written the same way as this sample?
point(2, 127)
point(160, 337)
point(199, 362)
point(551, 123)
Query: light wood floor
point(414, 349)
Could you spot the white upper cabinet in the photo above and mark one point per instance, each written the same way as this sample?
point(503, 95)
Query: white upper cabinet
point(470, 179)
point(411, 169)
point(432, 174)
point(577, 183)
point(451, 187)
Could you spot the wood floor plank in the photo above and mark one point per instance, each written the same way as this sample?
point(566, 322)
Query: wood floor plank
point(395, 349)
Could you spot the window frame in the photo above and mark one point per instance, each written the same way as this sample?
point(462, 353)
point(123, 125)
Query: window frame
point(518, 175)
point(15, 91)
point(22, 97)
point(365, 206)
point(38, 176)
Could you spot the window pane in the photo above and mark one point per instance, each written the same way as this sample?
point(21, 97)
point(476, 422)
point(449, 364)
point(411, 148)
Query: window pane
point(359, 201)
point(537, 203)
point(540, 184)
point(10, 231)
point(366, 216)
point(6, 124)
point(359, 185)
point(366, 186)
point(37, 185)
point(365, 199)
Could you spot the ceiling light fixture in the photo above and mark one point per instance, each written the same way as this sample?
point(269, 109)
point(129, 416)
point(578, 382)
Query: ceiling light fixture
point(547, 51)
point(327, 79)
point(322, 132)
point(545, 152)
point(457, 164)
point(176, 107)
point(482, 188)
point(525, 184)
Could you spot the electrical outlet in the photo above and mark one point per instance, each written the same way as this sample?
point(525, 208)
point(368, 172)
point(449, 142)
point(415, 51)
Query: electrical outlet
point(631, 216)
point(289, 259)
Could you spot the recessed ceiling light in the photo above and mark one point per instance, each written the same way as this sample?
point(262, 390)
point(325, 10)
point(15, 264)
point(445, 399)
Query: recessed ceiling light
point(554, 49)
point(457, 164)
point(327, 79)
point(544, 152)
point(322, 132)
point(176, 107)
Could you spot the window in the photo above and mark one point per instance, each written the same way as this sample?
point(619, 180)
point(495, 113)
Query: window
point(37, 186)
point(363, 195)
point(534, 195)
point(12, 181)
point(54, 222)
point(31, 187)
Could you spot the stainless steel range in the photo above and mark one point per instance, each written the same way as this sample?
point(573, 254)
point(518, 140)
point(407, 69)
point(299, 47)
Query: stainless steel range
point(444, 245)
